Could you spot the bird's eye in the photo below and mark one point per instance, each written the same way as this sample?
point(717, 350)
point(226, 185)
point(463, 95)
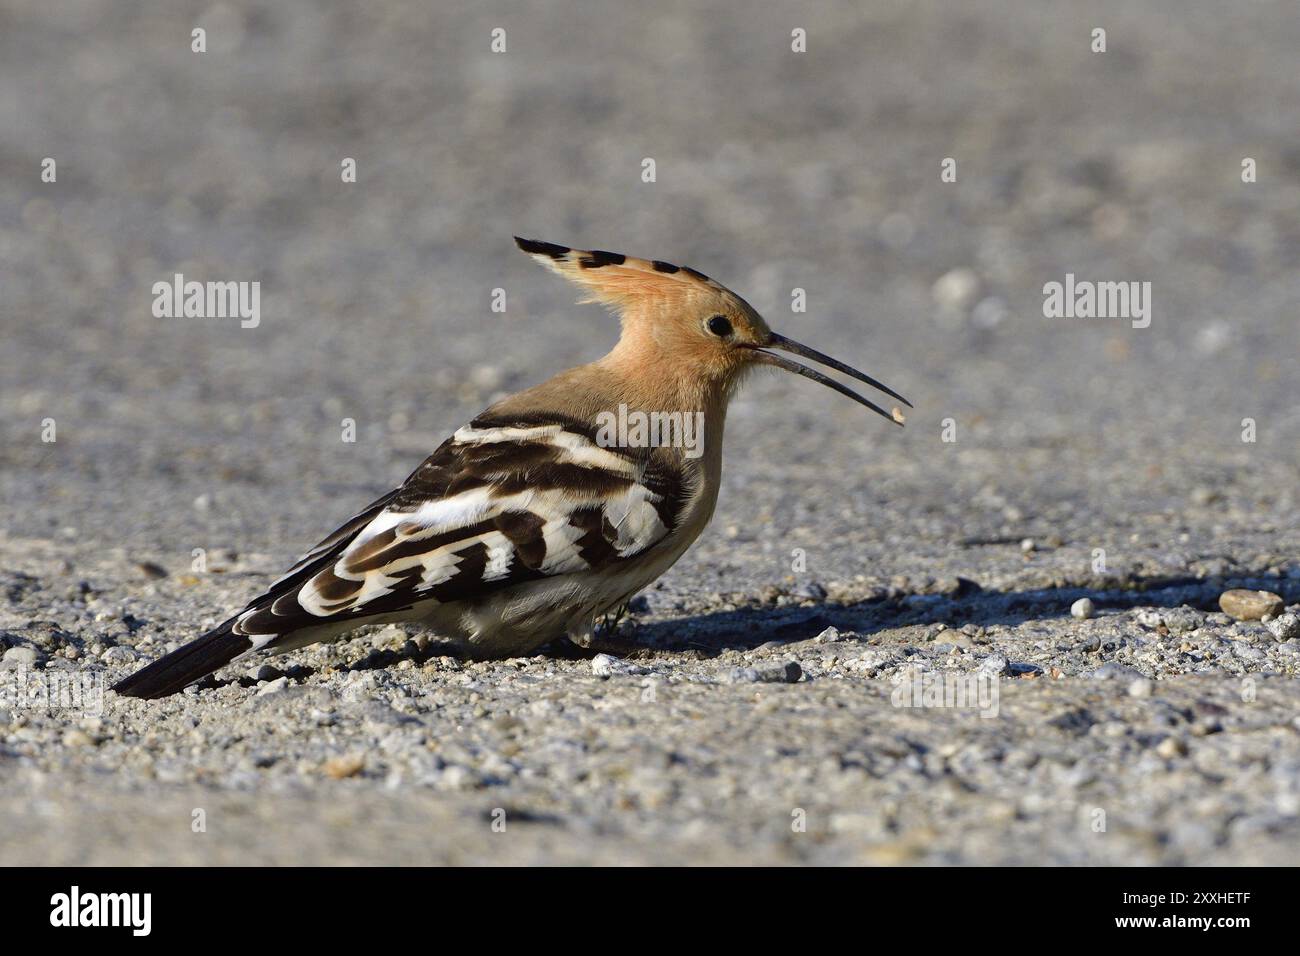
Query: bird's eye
point(719, 325)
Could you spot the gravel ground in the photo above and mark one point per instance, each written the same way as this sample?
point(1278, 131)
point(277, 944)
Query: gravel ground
point(754, 706)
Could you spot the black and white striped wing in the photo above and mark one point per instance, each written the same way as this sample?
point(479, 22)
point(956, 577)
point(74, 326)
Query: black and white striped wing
point(502, 502)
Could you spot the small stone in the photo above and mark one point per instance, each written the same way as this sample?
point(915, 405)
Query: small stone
point(1284, 628)
point(956, 290)
point(153, 570)
point(340, 768)
point(1248, 653)
point(785, 672)
point(267, 672)
point(605, 665)
point(1148, 617)
point(1140, 688)
point(994, 665)
point(21, 657)
point(832, 634)
point(1027, 545)
point(77, 738)
point(810, 591)
point(1113, 670)
point(1250, 605)
point(780, 672)
point(738, 675)
point(274, 687)
point(1171, 747)
point(1083, 609)
point(118, 655)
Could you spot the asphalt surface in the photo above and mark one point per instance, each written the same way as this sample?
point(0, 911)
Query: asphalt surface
point(1074, 441)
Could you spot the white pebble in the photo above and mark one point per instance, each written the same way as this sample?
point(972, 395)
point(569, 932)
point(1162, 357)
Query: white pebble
point(956, 290)
point(118, 655)
point(603, 665)
point(24, 656)
point(828, 636)
point(1284, 627)
point(1083, 609)
point(1140, 688)
point(274, 687)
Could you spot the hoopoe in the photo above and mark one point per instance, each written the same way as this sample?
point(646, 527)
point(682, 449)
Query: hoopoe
point(534, 520)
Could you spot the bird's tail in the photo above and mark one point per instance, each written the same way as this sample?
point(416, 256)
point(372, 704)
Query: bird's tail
point(183, 666)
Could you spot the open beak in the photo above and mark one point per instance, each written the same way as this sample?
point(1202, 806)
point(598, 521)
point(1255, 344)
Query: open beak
point(764, 357)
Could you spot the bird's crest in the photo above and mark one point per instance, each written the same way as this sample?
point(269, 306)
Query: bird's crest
point(617, 280)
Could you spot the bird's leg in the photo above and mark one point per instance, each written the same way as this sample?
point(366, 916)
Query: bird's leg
point(601, 635)
point(610, 622)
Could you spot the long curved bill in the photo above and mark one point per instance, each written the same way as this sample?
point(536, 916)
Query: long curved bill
point(764, 357)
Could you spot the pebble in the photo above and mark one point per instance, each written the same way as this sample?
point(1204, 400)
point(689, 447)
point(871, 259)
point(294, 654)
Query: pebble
point(994, 665)
point(1284, 628)
point(781, 672)
point(22, 657)
point(1083, 609)
point(77, 738)
point(274, 687)
point(1171, 747)
point(1250, 605)
point(340, 768)
point(1177, 620)
point(117, 655)
point(602, 665)
point(957, 289)
point(1140, 688)
point(1246, 652)
point(1112, 670)
point(832, 634)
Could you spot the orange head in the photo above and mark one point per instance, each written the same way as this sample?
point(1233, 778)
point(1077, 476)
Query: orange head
point(675, 318)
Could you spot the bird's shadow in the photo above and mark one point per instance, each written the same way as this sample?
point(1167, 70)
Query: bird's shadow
point(746, 628)
point(711, 633)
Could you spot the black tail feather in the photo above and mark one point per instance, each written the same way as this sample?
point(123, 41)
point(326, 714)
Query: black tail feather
point(183, 666)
